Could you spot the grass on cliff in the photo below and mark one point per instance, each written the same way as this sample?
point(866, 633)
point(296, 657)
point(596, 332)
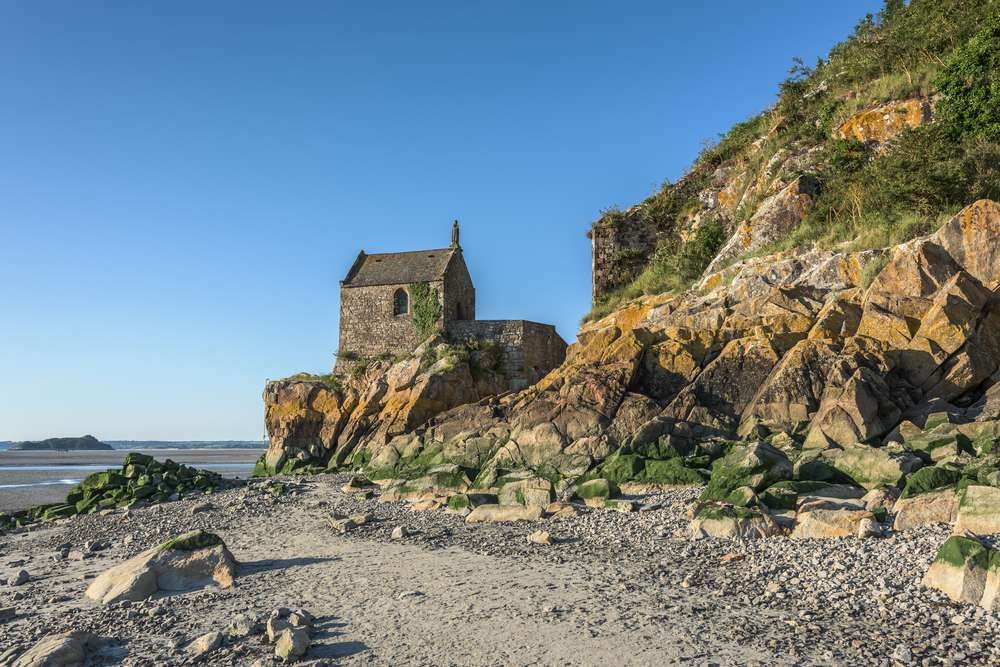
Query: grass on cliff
point(869, 198)
point(328, 380)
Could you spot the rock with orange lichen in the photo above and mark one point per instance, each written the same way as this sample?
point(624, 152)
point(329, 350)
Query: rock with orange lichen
point(881, 123)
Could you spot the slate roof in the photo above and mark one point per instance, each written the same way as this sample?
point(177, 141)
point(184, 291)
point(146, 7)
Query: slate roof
point(396, 268)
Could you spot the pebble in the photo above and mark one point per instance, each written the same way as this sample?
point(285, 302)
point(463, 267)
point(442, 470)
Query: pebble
point(19, 578)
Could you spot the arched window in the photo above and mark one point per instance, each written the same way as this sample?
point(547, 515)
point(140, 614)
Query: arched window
point(459, 313)
point(400, 302)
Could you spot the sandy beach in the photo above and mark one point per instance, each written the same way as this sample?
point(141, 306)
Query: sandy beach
point(611, 589)
point(36, 478)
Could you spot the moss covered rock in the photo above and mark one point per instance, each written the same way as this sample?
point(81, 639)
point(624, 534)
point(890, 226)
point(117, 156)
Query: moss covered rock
point(872, 467)
point(930, 478)
point(597, 488)
point(979, 510)
point(966, 570)
point(721, 521)
point(753, 465)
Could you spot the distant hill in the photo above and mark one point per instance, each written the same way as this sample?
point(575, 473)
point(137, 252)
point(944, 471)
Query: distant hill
point(87, 442)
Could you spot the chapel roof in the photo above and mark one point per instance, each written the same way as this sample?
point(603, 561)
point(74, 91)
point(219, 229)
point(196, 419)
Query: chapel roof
point(394, 268)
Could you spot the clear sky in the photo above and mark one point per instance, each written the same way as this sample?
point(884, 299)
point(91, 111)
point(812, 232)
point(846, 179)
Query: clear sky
point(182, 184)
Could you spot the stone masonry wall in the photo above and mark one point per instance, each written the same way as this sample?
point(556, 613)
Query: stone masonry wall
point(619, 253)
point(530, 349)
point(367, 326)
point(459, 294)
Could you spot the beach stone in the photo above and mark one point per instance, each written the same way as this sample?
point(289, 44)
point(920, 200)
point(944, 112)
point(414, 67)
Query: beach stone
point(504, 513)
point(427, 505)
point(19, 578)
point(276, 624)
point(342, 525)
point(292, 643)
point(540, 537)
point(205, 644)
point(560, 510)
point(869, 527)
point(243, 625)
point(62, 650)
point(399, 532)
point(191, 560)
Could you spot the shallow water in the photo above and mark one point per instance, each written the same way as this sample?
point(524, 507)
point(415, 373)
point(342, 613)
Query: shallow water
point(36, 478)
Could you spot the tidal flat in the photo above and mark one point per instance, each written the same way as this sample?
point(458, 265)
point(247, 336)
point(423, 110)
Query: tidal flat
point(38, 478)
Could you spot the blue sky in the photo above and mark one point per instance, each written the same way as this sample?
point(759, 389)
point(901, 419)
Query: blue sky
point(184, 183)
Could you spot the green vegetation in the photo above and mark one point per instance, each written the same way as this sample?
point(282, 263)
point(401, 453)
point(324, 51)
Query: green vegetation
point(870, 196)
point(872, 269)
point(426, 308)
point(329, 380)
point(970, 86)
point(621, 468)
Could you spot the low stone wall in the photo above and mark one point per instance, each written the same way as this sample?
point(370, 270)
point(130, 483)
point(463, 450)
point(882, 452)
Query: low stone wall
point(530, 349)
point(619, 253)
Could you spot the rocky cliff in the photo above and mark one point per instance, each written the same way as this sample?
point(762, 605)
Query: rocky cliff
point(817, 353)
point(802, 316)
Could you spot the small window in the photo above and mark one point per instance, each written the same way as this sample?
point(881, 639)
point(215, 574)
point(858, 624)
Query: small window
point(459, 314)
point(400, 302)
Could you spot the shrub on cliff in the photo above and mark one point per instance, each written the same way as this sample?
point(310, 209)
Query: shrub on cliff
point(970, 86)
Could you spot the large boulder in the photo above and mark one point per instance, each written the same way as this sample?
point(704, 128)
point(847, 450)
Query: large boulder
point(971, 239)
point(933, 507)
point(979, 510)
point(67, 649)
point(756, 466)
point(726, 522)
point(774, 218)
point(531, 492)
point(968, 571)
point(191, 560)
point(825, 522)
point(872, 467)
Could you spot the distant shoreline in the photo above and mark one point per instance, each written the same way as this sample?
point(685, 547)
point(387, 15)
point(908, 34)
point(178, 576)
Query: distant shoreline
point(159, 445)
point(30, 478)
